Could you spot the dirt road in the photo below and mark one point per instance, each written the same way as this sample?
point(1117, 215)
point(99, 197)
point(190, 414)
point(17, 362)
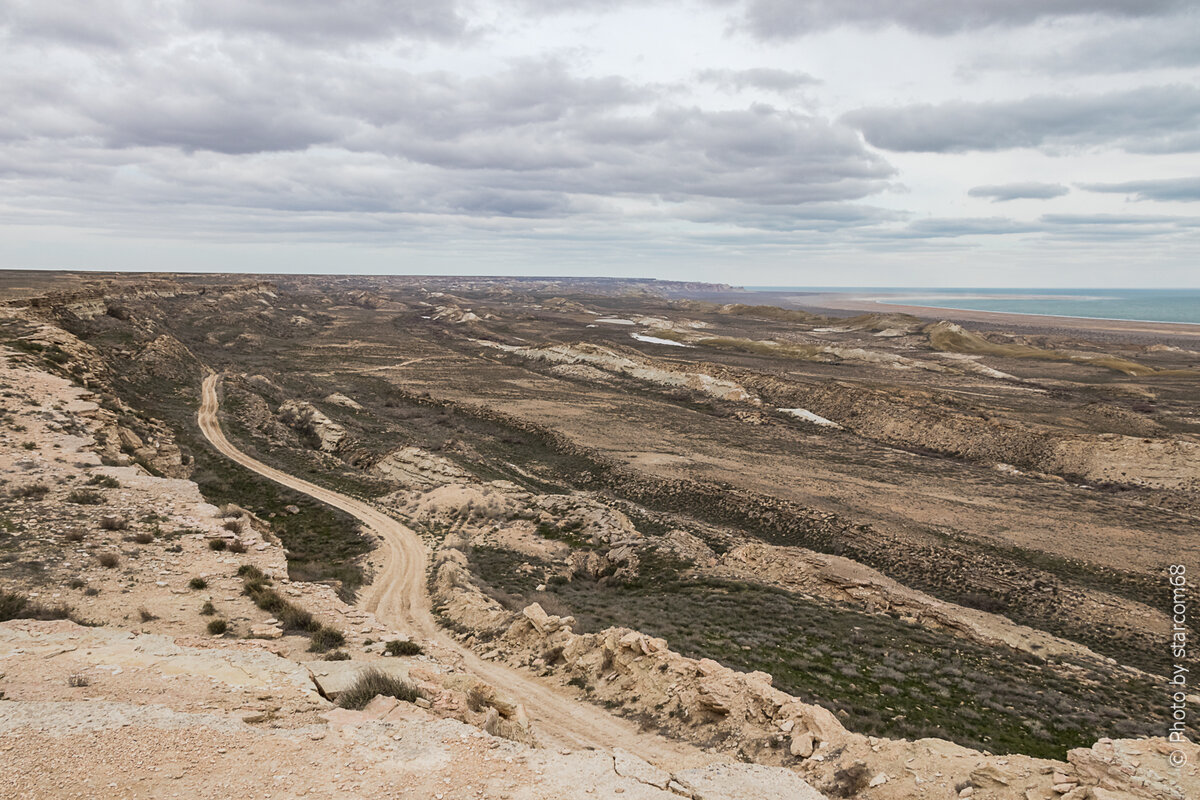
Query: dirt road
point(398, 598)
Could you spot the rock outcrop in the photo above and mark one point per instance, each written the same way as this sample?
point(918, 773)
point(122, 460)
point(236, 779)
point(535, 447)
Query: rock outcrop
point(310, 421)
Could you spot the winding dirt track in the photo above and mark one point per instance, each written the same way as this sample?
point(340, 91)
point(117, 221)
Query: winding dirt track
point(398, 598)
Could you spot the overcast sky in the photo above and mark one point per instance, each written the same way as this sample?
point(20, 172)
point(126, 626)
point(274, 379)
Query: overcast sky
point(755, 142)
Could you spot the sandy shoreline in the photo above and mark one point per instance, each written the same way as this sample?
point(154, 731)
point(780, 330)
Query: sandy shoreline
point(842, 302)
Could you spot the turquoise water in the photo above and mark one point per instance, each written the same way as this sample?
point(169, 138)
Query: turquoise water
point(1149, 305)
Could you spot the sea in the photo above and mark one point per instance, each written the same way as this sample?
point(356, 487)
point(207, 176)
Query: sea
point(1142, 305)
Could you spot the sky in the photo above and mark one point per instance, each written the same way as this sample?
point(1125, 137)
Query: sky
point(1021, 143)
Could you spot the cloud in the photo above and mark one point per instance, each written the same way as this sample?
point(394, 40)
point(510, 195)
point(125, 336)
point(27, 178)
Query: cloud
point(773, 80)
point(1159, 119)
point(1073, 227)
point(1111, 219)
point(234, 123)
point(108, 24)
point(781, 19)
point(120, 23)
point(317, 21)
point(952, 227)
point(1019, 191)
point(1162, 189)
point(1155, 43)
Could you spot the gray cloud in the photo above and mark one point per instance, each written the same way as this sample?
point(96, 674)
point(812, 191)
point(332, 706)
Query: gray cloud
point(1030, 190)
point(118, 24)
point(1164, 189)
point(86, 23)
point(1160, 119)
point(253, 124)
point(1074, 227)
point(1153, 43)
point(967, 226)
point(776, 19)
point(775, 80)
point(1111, 219)
point(321, 20)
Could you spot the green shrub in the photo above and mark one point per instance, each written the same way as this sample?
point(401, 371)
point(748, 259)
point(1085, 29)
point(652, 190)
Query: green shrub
point(85, 497)
point(371, 683)
point(34, 491)
point(400, 647)
point(104, 481)
point(849, 782)
point(17, 606)
point(325, 638)
point(251, 572)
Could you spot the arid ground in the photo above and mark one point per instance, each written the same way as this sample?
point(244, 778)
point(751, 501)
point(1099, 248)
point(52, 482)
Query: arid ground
point(953, 527)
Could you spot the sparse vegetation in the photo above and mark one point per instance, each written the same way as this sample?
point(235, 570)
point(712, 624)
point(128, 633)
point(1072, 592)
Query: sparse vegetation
point(372, 683)
point(217, 627)
point(217, 544)
point(78, 680)
point(143, 537)
point(844, 659)
point(336, 655)
point(197, 583)
point(208, 609)
point(114, 522)
point(146, 615)
point(109, 559)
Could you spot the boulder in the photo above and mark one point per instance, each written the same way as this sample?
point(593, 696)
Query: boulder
point(339, 399)
point(802, 744)
point(265, 631)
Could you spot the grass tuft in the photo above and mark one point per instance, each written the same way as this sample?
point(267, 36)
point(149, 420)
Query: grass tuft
point(372, 683)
